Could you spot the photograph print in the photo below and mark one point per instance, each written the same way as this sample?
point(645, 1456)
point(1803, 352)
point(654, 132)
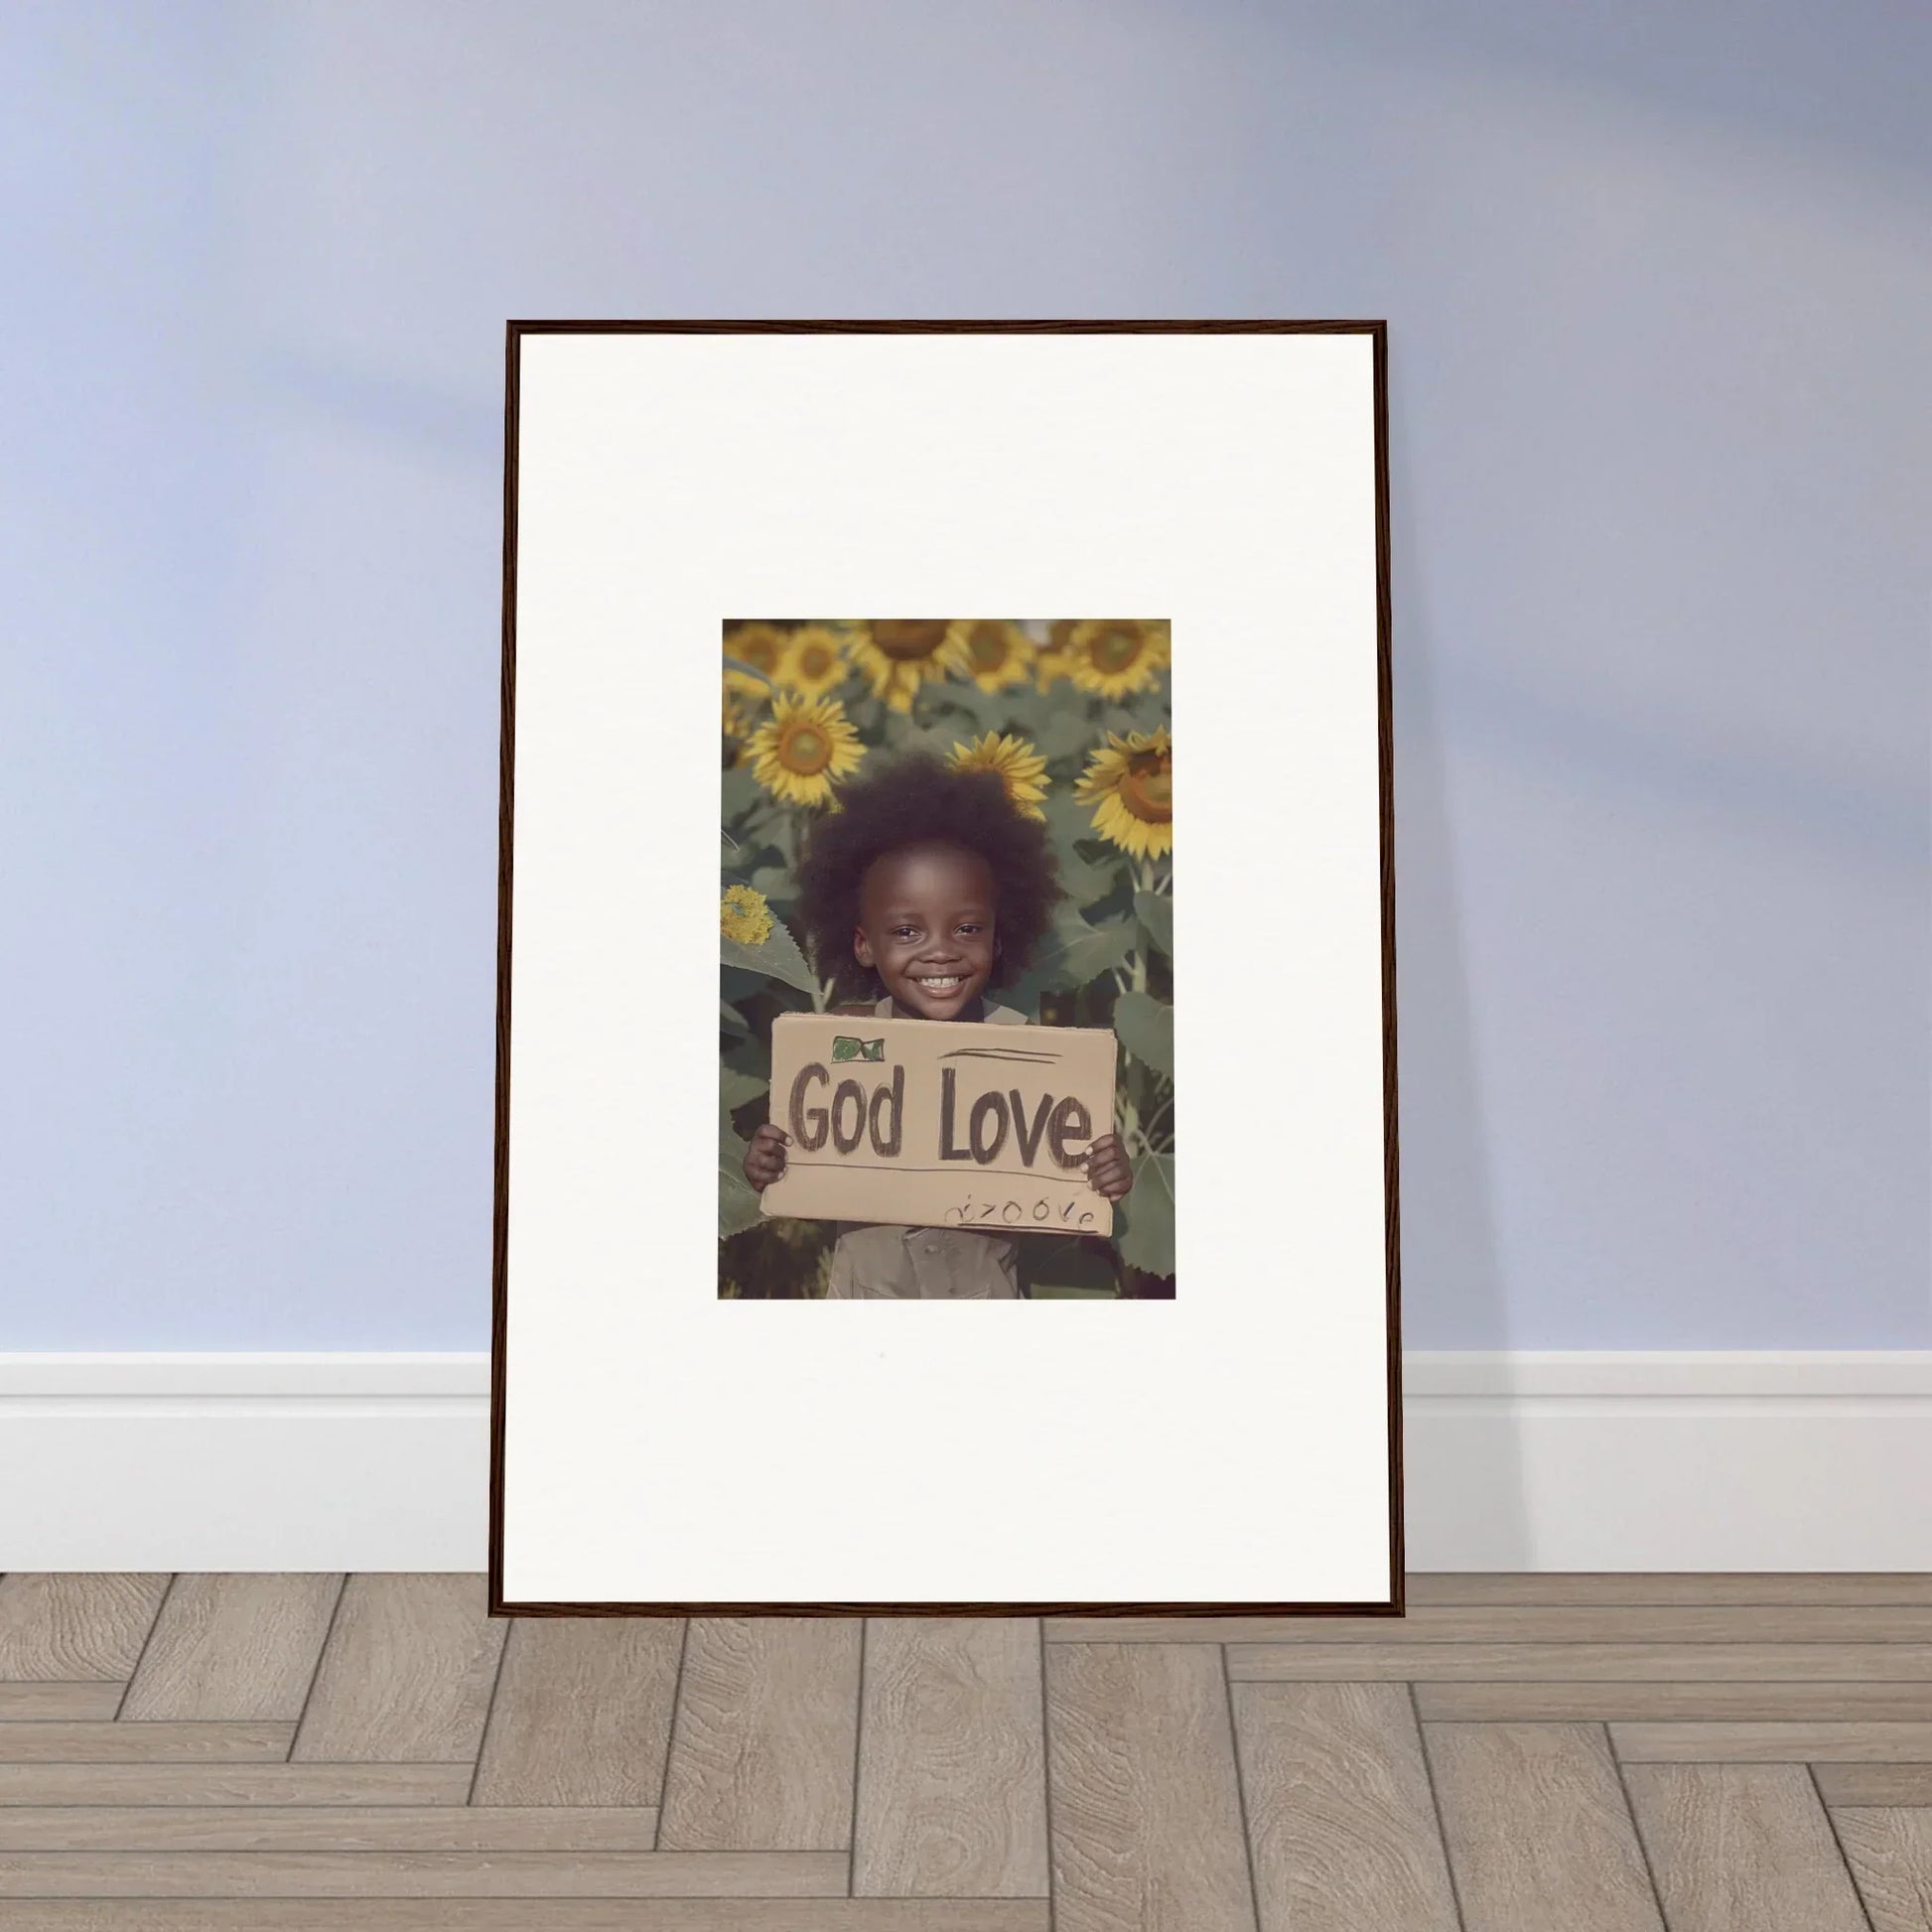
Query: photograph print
point(933, 827)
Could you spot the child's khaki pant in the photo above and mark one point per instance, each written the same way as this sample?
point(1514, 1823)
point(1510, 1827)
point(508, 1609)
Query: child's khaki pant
point(924, 1264)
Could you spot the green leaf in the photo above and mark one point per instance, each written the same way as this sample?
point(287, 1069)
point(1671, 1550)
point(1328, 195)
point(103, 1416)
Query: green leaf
point(735, 1087)
point(1155, 911)
point(739, 792)
point(751, 1057)
point(1067, 822)
point(737, 1199)
point(1066, 818)
point(1144, 1221)
point(1086, 883)
point(749, 670)
point(730, 1019)
point(738, 1205)
point(1073, 954)
point(1067, 733)
point(989, 710)
point(778, 958)
point(1144, 711)
point(738, 988)
point(1095, 949)
point(1146, 1029)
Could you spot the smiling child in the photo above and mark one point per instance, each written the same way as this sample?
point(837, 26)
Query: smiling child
point(924, 888)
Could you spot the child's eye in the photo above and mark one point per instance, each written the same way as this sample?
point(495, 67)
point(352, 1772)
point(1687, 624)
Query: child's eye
point(905, 931)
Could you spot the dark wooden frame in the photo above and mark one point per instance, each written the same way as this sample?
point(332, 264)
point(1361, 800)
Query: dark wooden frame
point(1378, 333)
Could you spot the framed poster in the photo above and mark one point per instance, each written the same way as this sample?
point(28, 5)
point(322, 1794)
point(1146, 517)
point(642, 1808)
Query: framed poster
point(867, 648)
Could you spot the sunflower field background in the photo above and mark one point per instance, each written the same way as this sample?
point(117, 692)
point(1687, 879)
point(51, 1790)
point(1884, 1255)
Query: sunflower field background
point(1075, 717)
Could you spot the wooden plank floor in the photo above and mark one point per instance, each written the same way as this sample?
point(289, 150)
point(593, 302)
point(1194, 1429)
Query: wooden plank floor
point(1519, 1755)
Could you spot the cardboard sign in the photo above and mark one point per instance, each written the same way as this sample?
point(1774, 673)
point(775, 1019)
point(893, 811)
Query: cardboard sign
point(941, 1123)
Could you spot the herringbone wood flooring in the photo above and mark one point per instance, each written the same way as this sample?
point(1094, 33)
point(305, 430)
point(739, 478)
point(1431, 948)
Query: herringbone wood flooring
point(1519, 1755)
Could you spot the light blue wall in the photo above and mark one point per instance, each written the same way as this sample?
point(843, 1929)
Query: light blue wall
point(1660, 295)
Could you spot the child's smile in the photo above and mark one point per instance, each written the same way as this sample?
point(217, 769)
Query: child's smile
point(925, 925)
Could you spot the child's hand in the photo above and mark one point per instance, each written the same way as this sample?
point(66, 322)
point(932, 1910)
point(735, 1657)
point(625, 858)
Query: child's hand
point(764, 1155)
point(1107, 1168)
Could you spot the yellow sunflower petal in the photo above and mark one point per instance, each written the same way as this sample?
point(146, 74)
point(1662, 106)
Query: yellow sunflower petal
point(1130, 784)
point(1117, 656)
point(745, 915)
point(993, 652)
point(741, 697)
point(897, 655)
point(803, 749)
point(1050, 658)
point(1019, 766)
point(760, 645)
point(814, 662)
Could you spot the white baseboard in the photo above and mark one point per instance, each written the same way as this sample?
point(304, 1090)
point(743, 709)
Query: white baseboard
point(244, 1461)
point(1515, 1462)
point(1669, 1462)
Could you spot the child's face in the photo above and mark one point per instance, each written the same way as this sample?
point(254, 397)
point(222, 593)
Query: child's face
point(925, 923)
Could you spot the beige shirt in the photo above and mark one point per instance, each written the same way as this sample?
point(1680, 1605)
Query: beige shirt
point(875, 1261)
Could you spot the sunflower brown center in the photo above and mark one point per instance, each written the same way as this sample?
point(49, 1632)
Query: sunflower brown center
point(1146, 787)
point(908, 643)
point(815, 660)
point(989, 647)
point(758, 648)
point(1115, 648)
point(805, 750)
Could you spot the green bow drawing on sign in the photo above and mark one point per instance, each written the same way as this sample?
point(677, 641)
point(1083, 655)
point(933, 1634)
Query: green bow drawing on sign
point(845, 1047)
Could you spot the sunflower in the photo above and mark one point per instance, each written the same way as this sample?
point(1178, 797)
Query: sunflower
point(899, 655)
point(1050, 658)
point(814, 662)
point(743, 916)
point(1116, 655)
point(806, 744)
point(760, 645)
point(743, 696)
point(996, 653)
point(1130, 785)
point(1021, 769)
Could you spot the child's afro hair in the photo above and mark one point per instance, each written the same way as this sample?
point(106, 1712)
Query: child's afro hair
point(915, 799)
